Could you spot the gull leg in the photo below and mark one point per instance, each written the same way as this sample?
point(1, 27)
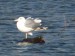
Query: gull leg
point(26, 35)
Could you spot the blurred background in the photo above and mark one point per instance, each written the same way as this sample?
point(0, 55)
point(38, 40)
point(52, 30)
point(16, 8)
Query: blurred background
point(57, 15)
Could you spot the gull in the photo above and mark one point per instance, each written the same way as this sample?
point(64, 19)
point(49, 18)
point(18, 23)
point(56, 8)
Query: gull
point(27, 25)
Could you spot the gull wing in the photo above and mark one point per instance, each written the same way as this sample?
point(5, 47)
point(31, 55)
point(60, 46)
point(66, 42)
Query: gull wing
point(32, 24)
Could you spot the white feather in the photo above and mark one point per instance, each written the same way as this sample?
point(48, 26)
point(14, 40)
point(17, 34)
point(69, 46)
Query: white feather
point(38, 20)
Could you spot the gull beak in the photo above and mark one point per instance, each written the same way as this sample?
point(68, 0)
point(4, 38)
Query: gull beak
point(16, 20)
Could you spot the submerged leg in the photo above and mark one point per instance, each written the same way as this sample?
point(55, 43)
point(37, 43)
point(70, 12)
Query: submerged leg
point(26, 35)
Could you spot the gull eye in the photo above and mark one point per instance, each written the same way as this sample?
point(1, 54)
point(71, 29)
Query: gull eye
point(19, 18)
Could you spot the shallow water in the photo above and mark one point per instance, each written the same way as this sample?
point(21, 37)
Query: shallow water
point(57, 15)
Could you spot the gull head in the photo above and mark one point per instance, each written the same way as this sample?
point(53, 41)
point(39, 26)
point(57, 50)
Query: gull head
point(20, 19)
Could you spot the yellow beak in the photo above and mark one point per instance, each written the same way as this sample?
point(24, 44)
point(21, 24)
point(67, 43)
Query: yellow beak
point(16, 20)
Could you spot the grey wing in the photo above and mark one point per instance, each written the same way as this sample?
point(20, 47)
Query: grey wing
point(31, 24)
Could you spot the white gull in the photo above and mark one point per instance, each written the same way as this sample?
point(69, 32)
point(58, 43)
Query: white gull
point(29, 24)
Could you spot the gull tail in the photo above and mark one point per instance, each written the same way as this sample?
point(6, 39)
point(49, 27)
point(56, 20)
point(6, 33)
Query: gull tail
point(39, 28)
point(30, 33)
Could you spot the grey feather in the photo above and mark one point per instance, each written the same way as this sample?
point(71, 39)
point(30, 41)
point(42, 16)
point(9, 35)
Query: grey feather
point(31, 23)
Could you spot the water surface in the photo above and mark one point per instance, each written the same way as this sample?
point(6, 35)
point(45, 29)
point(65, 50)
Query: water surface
point(57, 15)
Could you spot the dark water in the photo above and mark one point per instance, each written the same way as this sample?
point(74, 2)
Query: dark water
point(57, 15)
